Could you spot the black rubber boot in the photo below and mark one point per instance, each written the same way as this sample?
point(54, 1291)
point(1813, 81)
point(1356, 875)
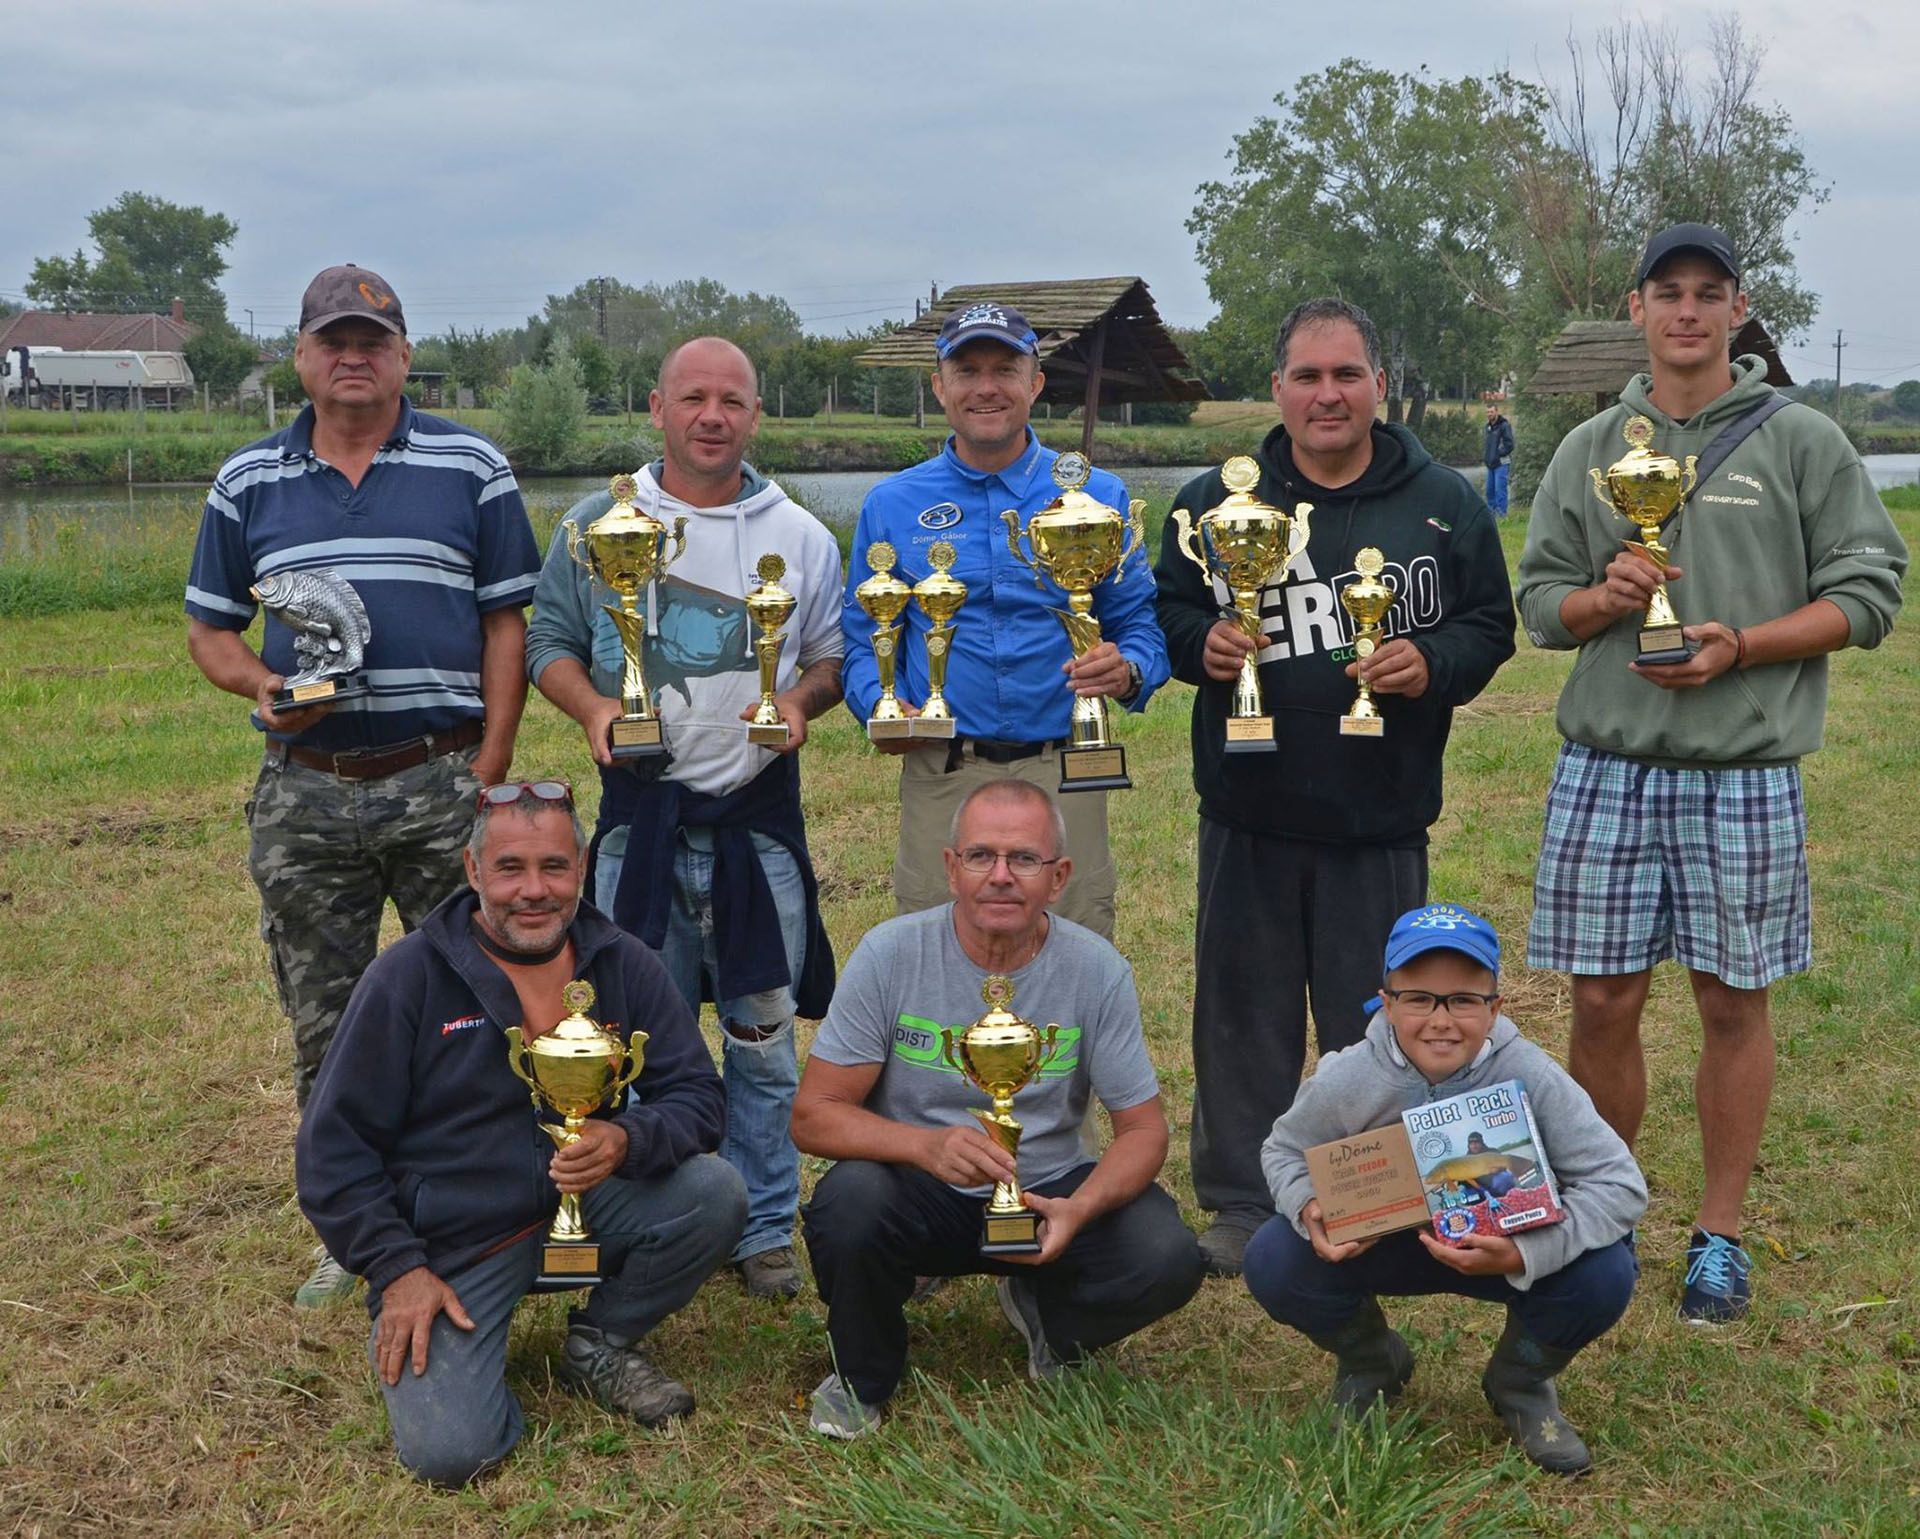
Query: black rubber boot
point(1519, 1386)
point(1371, 1362)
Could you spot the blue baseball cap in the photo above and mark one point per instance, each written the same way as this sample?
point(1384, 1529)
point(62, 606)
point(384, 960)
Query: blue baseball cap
point(986, 322)
point(1442, 927)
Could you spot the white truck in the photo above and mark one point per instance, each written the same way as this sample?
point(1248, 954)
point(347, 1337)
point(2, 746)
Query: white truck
point(57, 379)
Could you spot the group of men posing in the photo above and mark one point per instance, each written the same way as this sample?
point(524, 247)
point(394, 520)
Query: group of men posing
point(1674, 829)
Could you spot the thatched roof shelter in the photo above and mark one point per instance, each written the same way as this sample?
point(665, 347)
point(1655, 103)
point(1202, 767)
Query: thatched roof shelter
point(1100, 340)
point(1601, 356)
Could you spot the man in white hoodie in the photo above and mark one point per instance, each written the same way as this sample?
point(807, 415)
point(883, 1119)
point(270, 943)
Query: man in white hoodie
point(703, 854)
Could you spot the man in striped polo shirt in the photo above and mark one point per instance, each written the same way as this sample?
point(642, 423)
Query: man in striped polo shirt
point(372, 799)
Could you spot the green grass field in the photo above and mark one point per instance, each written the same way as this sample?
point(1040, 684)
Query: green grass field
point(154, 1378)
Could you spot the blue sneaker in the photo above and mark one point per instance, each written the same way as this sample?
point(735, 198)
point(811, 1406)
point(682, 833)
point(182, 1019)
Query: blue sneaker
point(1717, 1291)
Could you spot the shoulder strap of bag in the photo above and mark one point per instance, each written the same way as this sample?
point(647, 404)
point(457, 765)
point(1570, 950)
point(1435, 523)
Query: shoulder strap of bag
point(1733, 435)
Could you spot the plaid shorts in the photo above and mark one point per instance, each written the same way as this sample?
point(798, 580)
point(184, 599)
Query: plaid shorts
point(1638, 864)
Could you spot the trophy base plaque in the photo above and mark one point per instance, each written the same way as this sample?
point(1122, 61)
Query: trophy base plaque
point(933, 728)
point(1010, 1234)
point(1661, 645)
point(351, 686)
point(1250, 734)
point(1094, 769)
point(768, 734)
point(1362, 726)
point(889, 729)
point(635, 737)
point(570, 1263)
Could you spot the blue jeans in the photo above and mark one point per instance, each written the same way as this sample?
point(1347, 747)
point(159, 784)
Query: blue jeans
point(1497, 489)
point(760, 1075)
point(659, 1240)
point(1565, 1309)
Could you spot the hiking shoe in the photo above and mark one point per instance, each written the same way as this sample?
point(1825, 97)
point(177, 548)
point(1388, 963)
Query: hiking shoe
point(1717, 1291)
point(328, 1283)
point(771, 1274)
point(620, 1377)
point(837, 1412)
point(1022, 1309)
point(1223, 1245)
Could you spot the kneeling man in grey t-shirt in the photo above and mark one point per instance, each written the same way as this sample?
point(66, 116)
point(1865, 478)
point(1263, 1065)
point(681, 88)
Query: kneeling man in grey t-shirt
point(914, 1168)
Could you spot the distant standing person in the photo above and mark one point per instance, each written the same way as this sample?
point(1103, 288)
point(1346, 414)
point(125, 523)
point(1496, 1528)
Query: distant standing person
point(1675, 825)
point(372, 801)
point(1496, 453)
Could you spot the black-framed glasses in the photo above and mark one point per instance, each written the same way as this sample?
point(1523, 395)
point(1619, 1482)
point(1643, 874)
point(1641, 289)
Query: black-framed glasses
point(1463, 1005)
point(979, 860)
point(505, 794)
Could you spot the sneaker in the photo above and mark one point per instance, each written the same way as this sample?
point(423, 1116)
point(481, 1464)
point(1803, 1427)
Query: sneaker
point(771, 1274)
point(328, 1283)
point(837, 1412)
point(1022, 1309)
point(1223, 1245)
point(620, 1377)
point(1717, 1291)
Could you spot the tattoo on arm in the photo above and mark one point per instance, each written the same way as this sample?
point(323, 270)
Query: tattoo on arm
point(818, 688)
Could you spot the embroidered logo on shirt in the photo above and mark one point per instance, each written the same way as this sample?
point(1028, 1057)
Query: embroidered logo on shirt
point(464, 1023)
point(942, 515)
point(1746, 480)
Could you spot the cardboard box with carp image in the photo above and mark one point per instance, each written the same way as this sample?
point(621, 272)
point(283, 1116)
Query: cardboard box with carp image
point(1470, 1164)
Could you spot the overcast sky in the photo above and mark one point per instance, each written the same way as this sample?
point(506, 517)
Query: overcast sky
point(840, 153)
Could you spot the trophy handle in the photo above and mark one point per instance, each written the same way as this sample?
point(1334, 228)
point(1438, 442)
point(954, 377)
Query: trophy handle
point(576, 537)
point(679, 542)
point(516, 1046)
point(1046, 1048)
point(634, 1060)
point(1600, 485)
point(1136, 534)
point(946, 1049)
point(1012, 520)
point(1297, 532)
point(1689, 476)
point(1185, 537)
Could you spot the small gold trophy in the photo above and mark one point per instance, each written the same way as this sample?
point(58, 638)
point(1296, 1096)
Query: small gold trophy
point(1647, 489)
point(769, 606)
point(1000, 1054)
point(1078, 541)
point(939, 595)
point(883, 596)
point(1367, 600)
point(573, 1070)
point(1247, 545)
point(625, 551)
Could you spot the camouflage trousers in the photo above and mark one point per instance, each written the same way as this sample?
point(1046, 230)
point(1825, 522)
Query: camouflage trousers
point(326, 854)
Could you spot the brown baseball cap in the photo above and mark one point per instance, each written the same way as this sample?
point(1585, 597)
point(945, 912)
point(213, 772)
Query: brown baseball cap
point(351, 293)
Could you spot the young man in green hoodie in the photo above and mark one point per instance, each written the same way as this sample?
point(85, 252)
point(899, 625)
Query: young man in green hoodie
point(1675, 825)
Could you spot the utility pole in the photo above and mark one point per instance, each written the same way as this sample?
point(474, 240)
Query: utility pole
point(250, 335)
point(1837, 345)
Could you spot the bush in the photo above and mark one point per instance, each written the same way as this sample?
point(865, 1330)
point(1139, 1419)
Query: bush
point(1452, 437)
point(543, 410)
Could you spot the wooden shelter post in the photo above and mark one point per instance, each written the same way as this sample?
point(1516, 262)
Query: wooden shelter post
point(1090, 413)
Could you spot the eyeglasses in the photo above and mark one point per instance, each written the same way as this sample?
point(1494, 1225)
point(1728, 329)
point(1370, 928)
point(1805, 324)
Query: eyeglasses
point(980, 860)
point(1461, 1006)
point(505, 794)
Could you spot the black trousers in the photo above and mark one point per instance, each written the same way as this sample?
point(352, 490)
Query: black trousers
point(872, 1228)
point(1281, 922)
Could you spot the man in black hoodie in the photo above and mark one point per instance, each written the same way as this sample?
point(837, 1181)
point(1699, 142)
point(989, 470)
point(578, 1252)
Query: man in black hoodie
point(419, 1162)
point(1308, 852)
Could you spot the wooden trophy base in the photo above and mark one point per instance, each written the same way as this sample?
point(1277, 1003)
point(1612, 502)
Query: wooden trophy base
point(635, 737)
point(352, 686)
point(1250, 734)
point(931, 728)
point(1010, 1234)
point(570, 1264)
point(1362, 726)
point(1662, 645)
point(1094, 769)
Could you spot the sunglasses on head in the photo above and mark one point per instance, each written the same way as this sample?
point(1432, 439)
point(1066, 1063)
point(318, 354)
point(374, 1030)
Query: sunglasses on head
point(505, 794)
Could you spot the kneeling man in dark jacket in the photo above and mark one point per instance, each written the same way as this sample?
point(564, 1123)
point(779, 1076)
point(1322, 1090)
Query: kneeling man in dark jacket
point(419, 1162)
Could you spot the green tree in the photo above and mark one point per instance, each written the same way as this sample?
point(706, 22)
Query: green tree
point(1906, 397)
point(149, 252)
point(543, 411)
point(220, 358)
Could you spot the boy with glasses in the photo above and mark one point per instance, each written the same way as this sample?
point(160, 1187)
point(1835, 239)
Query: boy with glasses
point(1438, 1032)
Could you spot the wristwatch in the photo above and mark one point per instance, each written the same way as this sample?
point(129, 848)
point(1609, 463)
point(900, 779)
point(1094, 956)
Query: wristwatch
point(1135, 682)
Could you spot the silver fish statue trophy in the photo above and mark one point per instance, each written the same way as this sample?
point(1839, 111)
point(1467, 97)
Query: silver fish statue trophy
point(330, 634)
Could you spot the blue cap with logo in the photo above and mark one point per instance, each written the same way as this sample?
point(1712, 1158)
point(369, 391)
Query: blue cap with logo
point(986, 322)
point(1442, 927)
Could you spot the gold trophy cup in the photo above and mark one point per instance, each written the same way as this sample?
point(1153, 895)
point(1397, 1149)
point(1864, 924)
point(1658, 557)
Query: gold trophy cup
point(1366, 600)
point(573, 1070)
point(939, 595)
point(1647, 489)
point(1000, 1054)
point(625, 551)
point(1247, 545)
point(883, 596)
point(1078, 541)
point(769, 606)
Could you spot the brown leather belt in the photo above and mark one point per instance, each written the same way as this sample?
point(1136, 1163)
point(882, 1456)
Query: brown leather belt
point(373, 763)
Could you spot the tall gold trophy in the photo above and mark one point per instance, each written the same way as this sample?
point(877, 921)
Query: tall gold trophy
point(1246, 544)
point(625, 551)
point(939, 595)
point(883, 596)
point(1077, 542)
point(573, 1070)
point(1647, 489)
point(1367, 600)
point(1000, 1054)
point(769, 606)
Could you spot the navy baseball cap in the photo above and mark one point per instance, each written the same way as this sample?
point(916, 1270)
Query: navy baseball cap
point(986, 322)
point(1703, 238)
point(1442, 927)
